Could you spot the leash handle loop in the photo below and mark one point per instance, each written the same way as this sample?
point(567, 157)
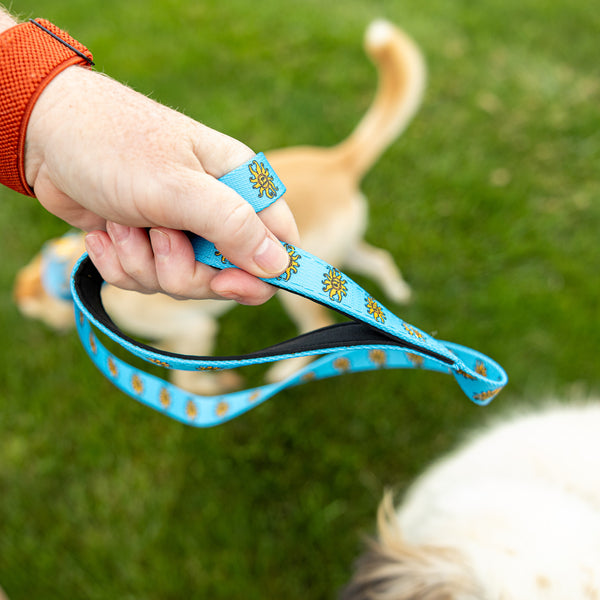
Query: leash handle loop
point(375, 337)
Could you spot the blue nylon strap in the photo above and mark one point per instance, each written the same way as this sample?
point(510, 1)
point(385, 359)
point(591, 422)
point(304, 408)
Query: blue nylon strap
point(256, 182)
point(375, 339)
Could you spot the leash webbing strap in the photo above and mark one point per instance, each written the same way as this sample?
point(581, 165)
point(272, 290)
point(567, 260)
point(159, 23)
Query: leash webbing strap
point(375, 338)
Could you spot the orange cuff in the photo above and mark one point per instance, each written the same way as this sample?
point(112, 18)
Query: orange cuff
point(31, 55)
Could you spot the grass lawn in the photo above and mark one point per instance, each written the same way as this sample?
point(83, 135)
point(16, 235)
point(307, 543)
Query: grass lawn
point(489, 203)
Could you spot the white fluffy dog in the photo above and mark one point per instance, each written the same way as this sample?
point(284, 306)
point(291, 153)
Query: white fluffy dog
point(512, 515)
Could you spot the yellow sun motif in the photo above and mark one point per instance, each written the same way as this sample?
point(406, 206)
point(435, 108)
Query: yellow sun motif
point(191, 410)
point(81, 319)
point(93, 343)
point(160, 363)
point(254, 397)
point(487, 395)
point(223, 259)
point(222, 409)
point(415, 359)
point(307, 377)
point(335, 285)
point(341, 364)
point(262, 180)
point(481, 368)
point(293, 264)
point(378, 357)
point(112, 367)
point(375, 310)
point(465, 374)
point(207, 369)
point(412, 331)
point(136, 384)
point(165, 398)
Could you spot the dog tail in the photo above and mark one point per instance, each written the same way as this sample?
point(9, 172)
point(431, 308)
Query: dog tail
point(401, 72)
point(391, 569)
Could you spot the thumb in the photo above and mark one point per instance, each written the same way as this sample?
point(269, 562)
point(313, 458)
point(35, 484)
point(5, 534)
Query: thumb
point(217, 213)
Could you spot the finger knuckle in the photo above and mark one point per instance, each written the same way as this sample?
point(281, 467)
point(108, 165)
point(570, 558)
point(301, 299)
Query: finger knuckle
point(239, 220)
point(180, 287)
point(122, 281)
point(174, 290)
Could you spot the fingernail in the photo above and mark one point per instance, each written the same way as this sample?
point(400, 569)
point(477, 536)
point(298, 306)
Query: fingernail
point(271, 257)
point(227, 295)
point(161, 243)
point(118, 233)
point(94, 245)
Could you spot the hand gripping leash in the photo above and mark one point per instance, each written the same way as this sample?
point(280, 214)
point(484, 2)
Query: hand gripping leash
point(374, 338)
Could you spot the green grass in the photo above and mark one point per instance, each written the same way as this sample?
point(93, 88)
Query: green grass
point(489, 203)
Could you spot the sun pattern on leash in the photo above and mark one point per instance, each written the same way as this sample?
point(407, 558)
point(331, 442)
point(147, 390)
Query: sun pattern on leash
point(293, 264)
point(262, 180)
point(375, 309)
point(334, 284)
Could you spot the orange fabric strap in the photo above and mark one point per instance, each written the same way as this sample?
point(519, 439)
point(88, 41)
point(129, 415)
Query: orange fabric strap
point(31, 55)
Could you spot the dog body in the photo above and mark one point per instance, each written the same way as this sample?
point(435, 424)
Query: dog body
point(324, 195)
point(512, 515)
point(323, 184)
point(181, 326)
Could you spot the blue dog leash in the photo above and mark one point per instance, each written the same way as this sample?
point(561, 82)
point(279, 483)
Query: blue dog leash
point(375, 338)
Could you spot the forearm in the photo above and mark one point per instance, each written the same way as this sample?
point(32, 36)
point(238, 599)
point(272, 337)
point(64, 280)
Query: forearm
point(6, 21)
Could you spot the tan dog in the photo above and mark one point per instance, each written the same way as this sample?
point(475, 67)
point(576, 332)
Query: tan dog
point(182, 326)
point(324, 195)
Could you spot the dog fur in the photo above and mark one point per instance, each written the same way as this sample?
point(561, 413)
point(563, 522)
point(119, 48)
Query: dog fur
point(513, 514)
point(329, 208)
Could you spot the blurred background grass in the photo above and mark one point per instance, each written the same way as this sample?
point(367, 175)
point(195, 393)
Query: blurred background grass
point(489, 203)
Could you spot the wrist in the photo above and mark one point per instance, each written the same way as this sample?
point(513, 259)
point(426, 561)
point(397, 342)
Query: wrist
point(48, 116)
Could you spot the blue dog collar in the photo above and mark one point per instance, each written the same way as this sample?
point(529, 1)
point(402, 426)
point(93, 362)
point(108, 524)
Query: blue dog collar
point(374, 338)
point(56, 259)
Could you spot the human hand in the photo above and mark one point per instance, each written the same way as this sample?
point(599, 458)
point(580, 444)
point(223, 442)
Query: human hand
point(112, 162)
